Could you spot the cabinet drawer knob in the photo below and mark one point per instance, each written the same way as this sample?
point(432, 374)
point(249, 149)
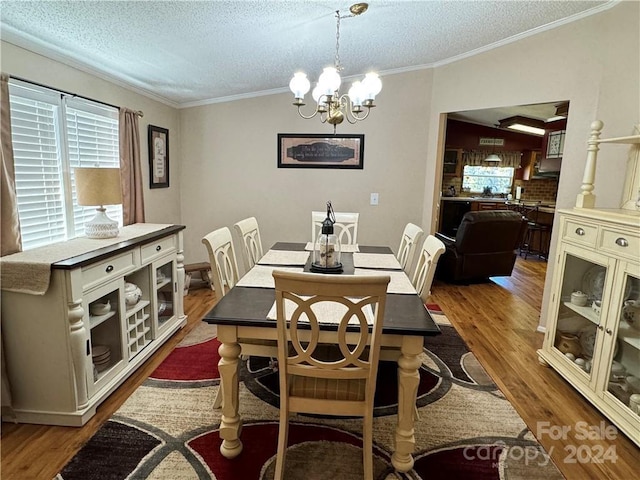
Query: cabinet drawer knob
point(109, 269)
point(622, 242)
point(158, 248)
point(580, 231)
point(609, 331)
point(600, 327)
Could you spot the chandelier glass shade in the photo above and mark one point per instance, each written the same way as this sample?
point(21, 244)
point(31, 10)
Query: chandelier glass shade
point(331, 106)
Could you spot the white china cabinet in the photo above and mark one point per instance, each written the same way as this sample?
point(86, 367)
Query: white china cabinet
point(593, 331)
point(105, 311)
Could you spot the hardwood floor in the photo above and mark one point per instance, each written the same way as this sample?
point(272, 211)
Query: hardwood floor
point(497, 319)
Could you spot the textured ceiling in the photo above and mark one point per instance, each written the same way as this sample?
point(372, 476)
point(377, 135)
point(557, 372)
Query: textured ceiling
point(190, 52)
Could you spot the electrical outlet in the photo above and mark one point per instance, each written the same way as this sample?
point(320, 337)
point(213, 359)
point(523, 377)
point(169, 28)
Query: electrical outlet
point(374, 199)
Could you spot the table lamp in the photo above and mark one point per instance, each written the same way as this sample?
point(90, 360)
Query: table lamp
point(99, 186)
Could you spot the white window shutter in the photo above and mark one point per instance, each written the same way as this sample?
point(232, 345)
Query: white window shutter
point(51, 136)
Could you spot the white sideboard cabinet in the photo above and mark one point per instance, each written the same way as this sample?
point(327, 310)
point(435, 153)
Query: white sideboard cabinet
point(593, 330)
point(105, 311)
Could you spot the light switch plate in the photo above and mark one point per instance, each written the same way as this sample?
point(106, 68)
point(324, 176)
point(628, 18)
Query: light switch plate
point(374, 199)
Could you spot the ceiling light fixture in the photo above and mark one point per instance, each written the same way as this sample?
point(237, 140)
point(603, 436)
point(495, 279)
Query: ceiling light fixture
point(493, 157)
point(332, 107)
point(523, 124)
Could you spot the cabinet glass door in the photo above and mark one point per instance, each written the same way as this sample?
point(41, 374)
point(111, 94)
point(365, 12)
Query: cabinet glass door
point(583, 286)
point(104, 313)
point(165, 277)
point(623, 366)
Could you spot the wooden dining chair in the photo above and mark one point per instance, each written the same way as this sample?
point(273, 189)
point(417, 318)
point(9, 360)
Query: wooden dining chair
point(410, 238)
point(224, 270)
point(346, 226)
point(222, 257)
point(431, 250)
point(249, 233)
point(345, 383)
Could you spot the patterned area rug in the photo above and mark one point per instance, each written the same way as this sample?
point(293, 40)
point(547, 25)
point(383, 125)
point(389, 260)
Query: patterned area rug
point(168, 429)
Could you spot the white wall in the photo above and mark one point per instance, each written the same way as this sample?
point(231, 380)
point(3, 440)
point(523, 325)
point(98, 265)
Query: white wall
point(594, 63)
point(230, 167)
point(162, 205)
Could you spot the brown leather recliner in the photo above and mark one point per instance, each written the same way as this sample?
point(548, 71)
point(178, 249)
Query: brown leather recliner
point(485, 246)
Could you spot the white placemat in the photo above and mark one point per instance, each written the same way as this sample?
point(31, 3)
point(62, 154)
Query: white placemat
point(326, 312)
point(376, 260)
point(399, 283)
point(343, 248)
point(284, 257)
point(262, 276)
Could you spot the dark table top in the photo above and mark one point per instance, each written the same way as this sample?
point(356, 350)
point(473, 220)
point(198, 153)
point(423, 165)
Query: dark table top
point(248, 306)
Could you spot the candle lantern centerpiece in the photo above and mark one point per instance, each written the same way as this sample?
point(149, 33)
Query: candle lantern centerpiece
point(326, 251)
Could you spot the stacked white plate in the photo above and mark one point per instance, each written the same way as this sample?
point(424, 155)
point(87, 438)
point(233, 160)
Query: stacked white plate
point(101, 356)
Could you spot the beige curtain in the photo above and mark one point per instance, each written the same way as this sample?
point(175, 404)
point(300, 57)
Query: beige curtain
point(130, 168)
point(476, 158)
point(10, 240)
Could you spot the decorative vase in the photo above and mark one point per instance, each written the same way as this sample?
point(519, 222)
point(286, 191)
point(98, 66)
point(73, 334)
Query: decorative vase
point(132, 294)
point(568, 343)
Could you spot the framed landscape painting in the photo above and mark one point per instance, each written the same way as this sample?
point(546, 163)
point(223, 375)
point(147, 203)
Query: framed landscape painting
point(313, 150)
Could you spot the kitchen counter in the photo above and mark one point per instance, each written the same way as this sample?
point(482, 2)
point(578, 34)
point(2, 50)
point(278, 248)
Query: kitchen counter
point(547, 207)
point(473, 199)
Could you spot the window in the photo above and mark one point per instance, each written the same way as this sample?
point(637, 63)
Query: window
point(477, 178)
point(52, 134)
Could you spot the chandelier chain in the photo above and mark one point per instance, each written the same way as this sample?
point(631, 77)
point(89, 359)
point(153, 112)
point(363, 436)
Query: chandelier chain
point(338, 18)
point(337, 65)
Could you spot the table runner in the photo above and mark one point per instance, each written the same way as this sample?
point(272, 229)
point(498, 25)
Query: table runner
point(284, 257)
point(30, 271)
point(376, 260)
point(348, 248)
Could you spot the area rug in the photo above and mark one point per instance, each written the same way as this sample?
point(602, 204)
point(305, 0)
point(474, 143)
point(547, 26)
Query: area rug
point(168, 429)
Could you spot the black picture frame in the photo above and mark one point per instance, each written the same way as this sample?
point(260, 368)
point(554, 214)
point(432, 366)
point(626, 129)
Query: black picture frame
point(158, 140)
point(317, 150)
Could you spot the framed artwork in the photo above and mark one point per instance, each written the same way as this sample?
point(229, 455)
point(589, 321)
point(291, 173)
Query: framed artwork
point(296, 150)
point(158, 157)
point(555, 146)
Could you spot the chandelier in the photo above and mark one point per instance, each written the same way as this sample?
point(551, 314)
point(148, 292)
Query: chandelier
point(332, 107)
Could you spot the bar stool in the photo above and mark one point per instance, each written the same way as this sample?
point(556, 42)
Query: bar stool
point(537, 234)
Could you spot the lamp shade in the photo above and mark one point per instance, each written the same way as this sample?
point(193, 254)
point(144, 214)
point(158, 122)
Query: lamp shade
point(98, 186)
point(299, 85)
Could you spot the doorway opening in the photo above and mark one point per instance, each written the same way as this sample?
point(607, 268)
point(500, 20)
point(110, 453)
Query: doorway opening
point(502, 158)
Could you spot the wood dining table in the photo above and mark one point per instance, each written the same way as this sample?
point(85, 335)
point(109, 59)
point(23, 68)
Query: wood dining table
point(241, 316)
